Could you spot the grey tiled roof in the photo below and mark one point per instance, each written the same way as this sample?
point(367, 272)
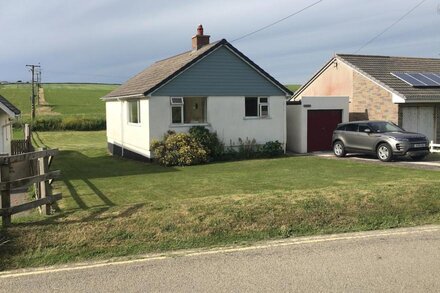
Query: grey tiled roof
point(163, 71)
point(8, 105)
point(155, 74)
point(380, 67)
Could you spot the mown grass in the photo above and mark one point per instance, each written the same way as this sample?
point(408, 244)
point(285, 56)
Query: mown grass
point(117, 207)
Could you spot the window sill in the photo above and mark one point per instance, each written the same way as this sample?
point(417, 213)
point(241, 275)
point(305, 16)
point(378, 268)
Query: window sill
point(134, 124)
point(189, 125)
point(257, 118)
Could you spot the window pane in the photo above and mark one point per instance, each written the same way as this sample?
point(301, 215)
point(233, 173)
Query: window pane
point(264, 111)
point(176, 113)
point(263, 100)
point(251, 107)
point(133, 111)
point(195, 110)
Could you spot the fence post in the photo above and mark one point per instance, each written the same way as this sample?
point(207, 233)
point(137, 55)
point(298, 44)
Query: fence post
point(44, 186)
point(6, 194)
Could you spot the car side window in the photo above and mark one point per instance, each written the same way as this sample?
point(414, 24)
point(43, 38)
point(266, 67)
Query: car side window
point(351, 127)
point(340, 127)
point(362, 127)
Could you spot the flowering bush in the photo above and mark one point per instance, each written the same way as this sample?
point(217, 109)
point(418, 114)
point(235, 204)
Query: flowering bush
point(179, 149)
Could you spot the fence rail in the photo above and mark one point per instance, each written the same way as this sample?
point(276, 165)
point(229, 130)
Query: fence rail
point(434, 147)
point(44, 196)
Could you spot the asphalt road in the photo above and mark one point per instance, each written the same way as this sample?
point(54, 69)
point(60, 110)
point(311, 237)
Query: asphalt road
point(400, 260)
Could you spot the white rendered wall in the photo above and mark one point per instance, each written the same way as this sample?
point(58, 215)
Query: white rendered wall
point(294, 125)
point(298, 131)
point(129, 136)
point(226, 116)
point(5, 133)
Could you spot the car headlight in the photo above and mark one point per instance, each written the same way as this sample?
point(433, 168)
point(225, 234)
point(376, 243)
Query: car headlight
point(400, 139)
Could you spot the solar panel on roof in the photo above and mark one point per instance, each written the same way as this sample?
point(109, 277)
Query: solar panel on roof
point(419, 79)
point(408, 79)
point(433, 76)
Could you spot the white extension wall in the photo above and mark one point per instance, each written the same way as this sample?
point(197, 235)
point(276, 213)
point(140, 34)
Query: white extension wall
point(128, 136)
point(5, 133)
point(297, 118)
point(226, 116)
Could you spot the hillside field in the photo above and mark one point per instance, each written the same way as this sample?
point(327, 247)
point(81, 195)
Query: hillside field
point(62, 99)
point(65, 99)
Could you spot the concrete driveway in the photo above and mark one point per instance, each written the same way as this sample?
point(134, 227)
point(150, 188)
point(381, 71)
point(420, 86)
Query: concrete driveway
point(431, 162)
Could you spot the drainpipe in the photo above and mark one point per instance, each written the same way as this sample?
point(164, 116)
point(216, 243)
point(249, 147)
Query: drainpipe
point(122, 127)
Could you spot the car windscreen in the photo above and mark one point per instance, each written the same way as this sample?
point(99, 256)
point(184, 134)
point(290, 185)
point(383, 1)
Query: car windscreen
point(384, 127)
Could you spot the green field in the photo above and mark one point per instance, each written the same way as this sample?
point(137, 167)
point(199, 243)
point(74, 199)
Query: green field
point(118, 207)
point(293, 87)
point(63, 99)
point(77, 99)
point(19, 95)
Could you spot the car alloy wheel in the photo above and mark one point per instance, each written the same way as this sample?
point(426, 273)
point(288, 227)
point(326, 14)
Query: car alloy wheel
point(338, 149)
point(384, 152)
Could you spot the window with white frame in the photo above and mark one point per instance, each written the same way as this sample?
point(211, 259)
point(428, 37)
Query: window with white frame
point(188, 110)
point(134, 112)
point(256, 106)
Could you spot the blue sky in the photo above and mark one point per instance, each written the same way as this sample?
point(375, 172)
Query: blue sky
point(112, 40)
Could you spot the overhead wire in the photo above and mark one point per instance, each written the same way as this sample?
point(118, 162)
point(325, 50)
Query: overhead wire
point(389, 27)
point(278, 21)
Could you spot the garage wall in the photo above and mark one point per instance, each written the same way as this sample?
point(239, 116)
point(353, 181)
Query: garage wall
point(422, 118)
point(297, 118)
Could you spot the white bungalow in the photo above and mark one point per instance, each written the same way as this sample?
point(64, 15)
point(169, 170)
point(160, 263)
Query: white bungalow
point(213, 85)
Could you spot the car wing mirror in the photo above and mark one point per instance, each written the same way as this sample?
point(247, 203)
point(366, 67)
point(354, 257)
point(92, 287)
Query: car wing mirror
point(367, 130)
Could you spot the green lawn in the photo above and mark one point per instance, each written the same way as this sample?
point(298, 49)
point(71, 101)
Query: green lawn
point(117, 207)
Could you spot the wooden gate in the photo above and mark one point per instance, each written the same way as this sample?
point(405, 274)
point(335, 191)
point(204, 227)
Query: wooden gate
point(41, 178)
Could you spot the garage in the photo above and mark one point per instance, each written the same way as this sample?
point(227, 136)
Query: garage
point(419, 119)
point(311, 121)
point(320, 126)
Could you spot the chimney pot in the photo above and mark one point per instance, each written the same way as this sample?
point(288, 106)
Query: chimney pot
point(199, 40)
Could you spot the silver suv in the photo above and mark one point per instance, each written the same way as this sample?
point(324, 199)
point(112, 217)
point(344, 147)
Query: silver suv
point(383, 138)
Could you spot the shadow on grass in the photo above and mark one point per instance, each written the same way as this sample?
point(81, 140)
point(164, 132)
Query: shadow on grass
point(95, 214)
point(75, 165)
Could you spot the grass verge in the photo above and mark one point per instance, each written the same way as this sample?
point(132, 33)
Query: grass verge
point(116, 207)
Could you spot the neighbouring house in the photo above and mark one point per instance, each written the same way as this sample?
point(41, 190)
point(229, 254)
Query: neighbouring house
point(404, 90)
point(213, 85)
point(7, 114)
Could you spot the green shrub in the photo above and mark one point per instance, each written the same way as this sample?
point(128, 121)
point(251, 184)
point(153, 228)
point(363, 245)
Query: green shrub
point(209, 140)
point(272, 149)
point(178, 149)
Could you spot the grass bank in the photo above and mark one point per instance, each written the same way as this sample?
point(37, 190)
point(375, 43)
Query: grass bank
point(117, 207)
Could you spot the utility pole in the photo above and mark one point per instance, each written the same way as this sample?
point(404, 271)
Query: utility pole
point(32, 69)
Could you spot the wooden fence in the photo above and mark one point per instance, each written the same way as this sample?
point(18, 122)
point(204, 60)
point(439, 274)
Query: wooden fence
point(44, 196)
point(21, 146)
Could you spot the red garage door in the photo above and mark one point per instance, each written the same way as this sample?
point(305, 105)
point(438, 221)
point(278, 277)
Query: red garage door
point(320, 126)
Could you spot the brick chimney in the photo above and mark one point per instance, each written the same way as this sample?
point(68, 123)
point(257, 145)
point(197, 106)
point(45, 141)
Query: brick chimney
point(199, 40)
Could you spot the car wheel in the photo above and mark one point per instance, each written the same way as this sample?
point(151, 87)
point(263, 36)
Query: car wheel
point(384, 152)
point(339, 149)
point(418, 158)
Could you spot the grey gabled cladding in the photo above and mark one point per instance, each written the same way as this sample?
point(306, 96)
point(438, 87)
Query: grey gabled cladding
point(221, 73)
